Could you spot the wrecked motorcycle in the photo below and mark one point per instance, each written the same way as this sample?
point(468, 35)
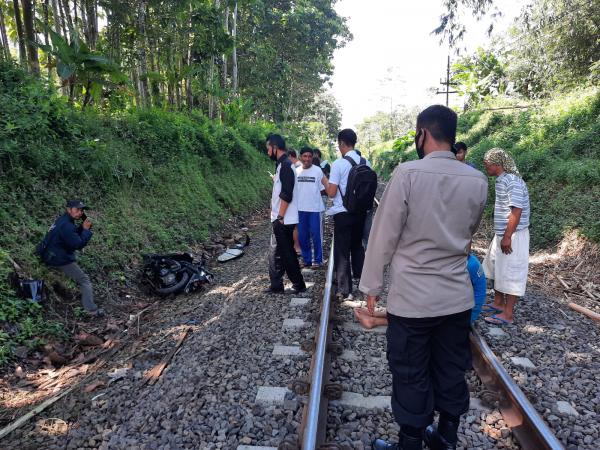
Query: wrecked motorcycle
point(174, 273)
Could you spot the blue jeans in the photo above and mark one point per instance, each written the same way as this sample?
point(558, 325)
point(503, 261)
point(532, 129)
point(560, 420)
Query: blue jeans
point(309, 229)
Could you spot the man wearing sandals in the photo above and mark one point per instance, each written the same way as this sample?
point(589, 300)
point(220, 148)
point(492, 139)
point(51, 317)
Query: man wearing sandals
point(507, 260)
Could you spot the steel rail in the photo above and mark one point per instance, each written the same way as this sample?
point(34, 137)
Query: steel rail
point(311, 430)
point(518, 413)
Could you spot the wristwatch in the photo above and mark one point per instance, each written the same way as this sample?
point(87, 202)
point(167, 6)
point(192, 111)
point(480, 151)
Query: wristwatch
point(280, 218)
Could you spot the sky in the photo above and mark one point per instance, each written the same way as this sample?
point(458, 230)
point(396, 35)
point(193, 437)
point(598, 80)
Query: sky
point(393, 41)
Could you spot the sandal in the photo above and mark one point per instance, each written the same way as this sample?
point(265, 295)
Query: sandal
point(495, 320)
point(490, 308)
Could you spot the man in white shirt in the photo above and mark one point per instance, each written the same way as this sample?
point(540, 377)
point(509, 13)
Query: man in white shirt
point(349, 253)
point(311, 181)
point(284, 217)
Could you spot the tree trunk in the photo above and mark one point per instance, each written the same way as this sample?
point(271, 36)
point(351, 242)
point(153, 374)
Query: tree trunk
point(32, 52)
point(92, 20)
point(170, 78)
point(188, 90)
point(3, 36)
point(234, 73)
point(57, 19)
point(75, 17)
point(84, 21)
point(211, 98)
point(178, 85)
point(211, 79)
point(134, 78)
point(170, 94)
point(20, 34)
point(187, 54)
point(66, 10)
point(142, 62)
point(46, 40)
point(113, 34)
point(226, 26)
point(154, 84)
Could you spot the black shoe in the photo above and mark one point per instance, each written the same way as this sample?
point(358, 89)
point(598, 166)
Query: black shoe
point(380, 444)
point(297, 290)
point(271, 291)
point(98, 312)
point(435, 441)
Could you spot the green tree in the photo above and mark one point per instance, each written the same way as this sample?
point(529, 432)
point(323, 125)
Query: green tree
point(79, 68)
point(479, 76)
point(554, 45)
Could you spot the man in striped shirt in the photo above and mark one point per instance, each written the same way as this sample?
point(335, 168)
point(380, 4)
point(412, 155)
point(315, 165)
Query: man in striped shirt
point(507, 260)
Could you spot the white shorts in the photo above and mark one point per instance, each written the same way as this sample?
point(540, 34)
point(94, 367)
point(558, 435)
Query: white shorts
point(509, 272)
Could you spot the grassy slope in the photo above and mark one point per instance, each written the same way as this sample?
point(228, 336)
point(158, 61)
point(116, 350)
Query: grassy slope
point(156, 181)
point(557, 149)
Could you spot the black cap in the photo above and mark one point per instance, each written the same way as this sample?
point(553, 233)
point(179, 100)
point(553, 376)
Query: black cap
point(76, 204)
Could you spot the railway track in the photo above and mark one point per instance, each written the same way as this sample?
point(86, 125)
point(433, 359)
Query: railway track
point(518, 414)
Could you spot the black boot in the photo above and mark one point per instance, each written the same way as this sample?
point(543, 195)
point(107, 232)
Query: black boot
point(411, 442)
point(406, 443)
point(436, 441)
point(380, 444)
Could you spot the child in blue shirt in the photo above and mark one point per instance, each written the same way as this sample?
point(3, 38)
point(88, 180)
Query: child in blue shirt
point(479, 285)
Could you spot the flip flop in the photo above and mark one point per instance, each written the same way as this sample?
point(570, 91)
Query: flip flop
point(489, 308)
point(495, 320)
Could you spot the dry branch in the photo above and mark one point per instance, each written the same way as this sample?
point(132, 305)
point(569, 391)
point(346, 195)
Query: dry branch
point(38, 409)
point(588, 312)
point(153, 374)
point(558, 277)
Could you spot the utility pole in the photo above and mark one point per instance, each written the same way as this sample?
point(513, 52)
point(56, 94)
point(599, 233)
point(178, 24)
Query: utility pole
point(447, 83)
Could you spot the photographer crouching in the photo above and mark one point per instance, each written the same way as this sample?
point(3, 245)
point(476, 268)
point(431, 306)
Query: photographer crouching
point(57, 250)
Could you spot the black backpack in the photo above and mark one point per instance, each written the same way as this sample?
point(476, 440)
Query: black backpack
point(361, 187)
point(41, 250)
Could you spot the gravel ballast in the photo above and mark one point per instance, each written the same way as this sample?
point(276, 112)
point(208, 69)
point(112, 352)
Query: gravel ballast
point(561, 379)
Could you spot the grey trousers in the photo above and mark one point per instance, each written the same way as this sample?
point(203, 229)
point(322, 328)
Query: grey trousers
point(74, 272)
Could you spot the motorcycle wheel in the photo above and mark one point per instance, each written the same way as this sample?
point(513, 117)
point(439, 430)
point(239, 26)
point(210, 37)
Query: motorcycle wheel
point(176, 287)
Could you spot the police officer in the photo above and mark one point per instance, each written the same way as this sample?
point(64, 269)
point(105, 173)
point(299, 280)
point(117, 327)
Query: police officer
point(423, 230)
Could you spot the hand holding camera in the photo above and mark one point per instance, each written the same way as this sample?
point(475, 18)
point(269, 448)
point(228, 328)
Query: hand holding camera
point(87, 223)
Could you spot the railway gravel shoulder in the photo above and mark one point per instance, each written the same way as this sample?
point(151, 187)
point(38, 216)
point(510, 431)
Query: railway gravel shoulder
point(207, 397)
point(553, 355)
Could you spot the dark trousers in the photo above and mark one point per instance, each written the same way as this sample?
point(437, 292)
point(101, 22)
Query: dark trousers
point(428, 358)
point(348, 251)
point(282, 257)
point(73, 271)
point(367, 228)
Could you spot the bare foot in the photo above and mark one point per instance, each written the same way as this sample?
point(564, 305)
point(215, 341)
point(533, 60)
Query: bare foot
point(365, 320)
point(365, 311)
point(381, 314)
